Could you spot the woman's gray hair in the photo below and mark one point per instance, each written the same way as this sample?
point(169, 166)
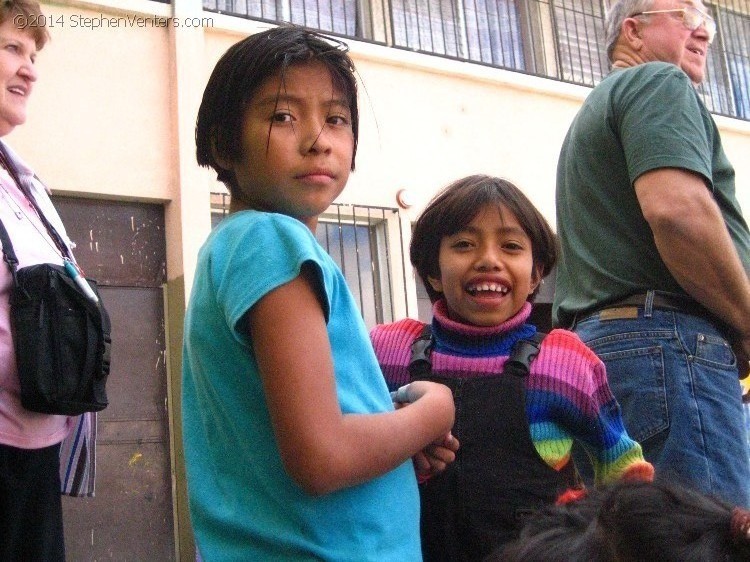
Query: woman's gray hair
point(617, 14)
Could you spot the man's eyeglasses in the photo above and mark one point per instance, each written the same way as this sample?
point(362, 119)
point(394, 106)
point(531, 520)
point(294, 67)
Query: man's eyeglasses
point(692, 18)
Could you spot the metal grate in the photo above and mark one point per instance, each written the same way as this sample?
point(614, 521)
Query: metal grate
point(579, 30)
point(558, 39)
point(348, 18)
point(367, 243)
point(727, 88)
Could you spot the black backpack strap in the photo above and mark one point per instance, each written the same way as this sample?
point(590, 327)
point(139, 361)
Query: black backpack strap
point(524, 352)
point(420, 364)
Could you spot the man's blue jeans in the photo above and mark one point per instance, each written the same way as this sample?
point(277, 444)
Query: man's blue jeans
point(675, 377)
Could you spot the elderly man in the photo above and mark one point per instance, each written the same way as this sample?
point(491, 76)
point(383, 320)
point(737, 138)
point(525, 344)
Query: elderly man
point(655, 250)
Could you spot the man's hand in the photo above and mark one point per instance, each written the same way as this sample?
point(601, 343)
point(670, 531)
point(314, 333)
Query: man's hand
point(741, 348)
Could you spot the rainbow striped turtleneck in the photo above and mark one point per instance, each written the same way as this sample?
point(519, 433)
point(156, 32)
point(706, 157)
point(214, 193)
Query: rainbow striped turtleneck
point(567, 394)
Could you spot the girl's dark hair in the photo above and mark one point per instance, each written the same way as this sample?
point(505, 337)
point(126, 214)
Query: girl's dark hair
point(244, 68)
point(565, 533)
point(456, 206)
point(669, 523)
point(632, 522)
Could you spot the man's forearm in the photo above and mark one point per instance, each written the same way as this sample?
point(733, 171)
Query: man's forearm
point(692, 239)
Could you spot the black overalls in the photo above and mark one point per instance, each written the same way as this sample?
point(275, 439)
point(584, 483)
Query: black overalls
point(481, 500)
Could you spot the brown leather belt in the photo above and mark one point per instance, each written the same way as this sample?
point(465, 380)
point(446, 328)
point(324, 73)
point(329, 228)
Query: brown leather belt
point(623, 308)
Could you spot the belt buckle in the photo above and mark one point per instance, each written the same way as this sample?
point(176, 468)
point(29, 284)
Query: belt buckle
point(619, 313)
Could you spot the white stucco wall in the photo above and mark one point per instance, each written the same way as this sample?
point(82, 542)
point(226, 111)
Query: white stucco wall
point(99, 117)
point(113, 111)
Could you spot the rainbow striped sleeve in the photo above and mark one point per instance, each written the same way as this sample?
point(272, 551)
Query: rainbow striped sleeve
point(392, 344)
point(569, 399)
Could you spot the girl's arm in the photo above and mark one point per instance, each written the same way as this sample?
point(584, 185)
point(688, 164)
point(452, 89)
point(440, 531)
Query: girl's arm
point(322, 449)
point(588, 411)
point(615, 454)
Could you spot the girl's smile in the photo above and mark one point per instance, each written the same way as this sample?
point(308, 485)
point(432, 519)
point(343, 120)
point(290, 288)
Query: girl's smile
point(486, 269)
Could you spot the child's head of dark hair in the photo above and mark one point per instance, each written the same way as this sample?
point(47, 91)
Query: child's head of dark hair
point(633, 521)
point(455, 207)
point(671, 523)
point(560, 533)
point(240, 73)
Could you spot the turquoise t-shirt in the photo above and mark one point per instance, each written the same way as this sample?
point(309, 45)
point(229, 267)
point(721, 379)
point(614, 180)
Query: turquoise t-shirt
point(638, 119)
point(243, 505)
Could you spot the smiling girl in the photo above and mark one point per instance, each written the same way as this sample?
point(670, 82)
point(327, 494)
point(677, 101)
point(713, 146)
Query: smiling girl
point(482, 250)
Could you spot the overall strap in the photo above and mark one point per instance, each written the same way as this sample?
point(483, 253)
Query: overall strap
point(420, 364)
point(523, 353)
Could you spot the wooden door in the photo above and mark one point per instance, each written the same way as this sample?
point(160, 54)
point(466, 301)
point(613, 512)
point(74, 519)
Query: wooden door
point(122, 246)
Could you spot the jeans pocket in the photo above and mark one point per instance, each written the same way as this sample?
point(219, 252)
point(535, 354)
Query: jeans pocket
point(636, 377)
point(713, 351)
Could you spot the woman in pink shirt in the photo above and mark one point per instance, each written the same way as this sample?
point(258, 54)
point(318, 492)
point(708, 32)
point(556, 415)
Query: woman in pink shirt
point(30, 443)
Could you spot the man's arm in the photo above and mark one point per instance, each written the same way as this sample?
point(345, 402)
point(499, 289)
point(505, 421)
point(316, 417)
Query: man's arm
point(692, 239)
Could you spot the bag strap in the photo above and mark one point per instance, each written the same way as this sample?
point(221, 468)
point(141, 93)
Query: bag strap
point(9, 254)
point(518, 363)
point(7, 163)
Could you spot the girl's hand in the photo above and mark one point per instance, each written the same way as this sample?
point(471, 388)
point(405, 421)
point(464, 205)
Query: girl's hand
point(436, 457)
point(440, 453)
point(415, 390)
point(741, 350)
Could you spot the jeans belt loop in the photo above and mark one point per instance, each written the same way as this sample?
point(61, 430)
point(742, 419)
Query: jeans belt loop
point(648, 305)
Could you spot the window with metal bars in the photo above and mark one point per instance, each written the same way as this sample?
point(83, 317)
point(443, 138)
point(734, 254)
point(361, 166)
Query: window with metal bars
point(737, 49)
point(561, 39)
point(485, 31)
point(337, 16)
point(579, 32)
point(367, 244)
point(726, 89)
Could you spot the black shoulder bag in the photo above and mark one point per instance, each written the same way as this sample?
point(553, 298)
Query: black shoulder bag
point(61, 330)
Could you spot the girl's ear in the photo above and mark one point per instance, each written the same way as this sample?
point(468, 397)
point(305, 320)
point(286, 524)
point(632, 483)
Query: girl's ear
point(536, 278)
point(435, 283)
point(221, 160)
